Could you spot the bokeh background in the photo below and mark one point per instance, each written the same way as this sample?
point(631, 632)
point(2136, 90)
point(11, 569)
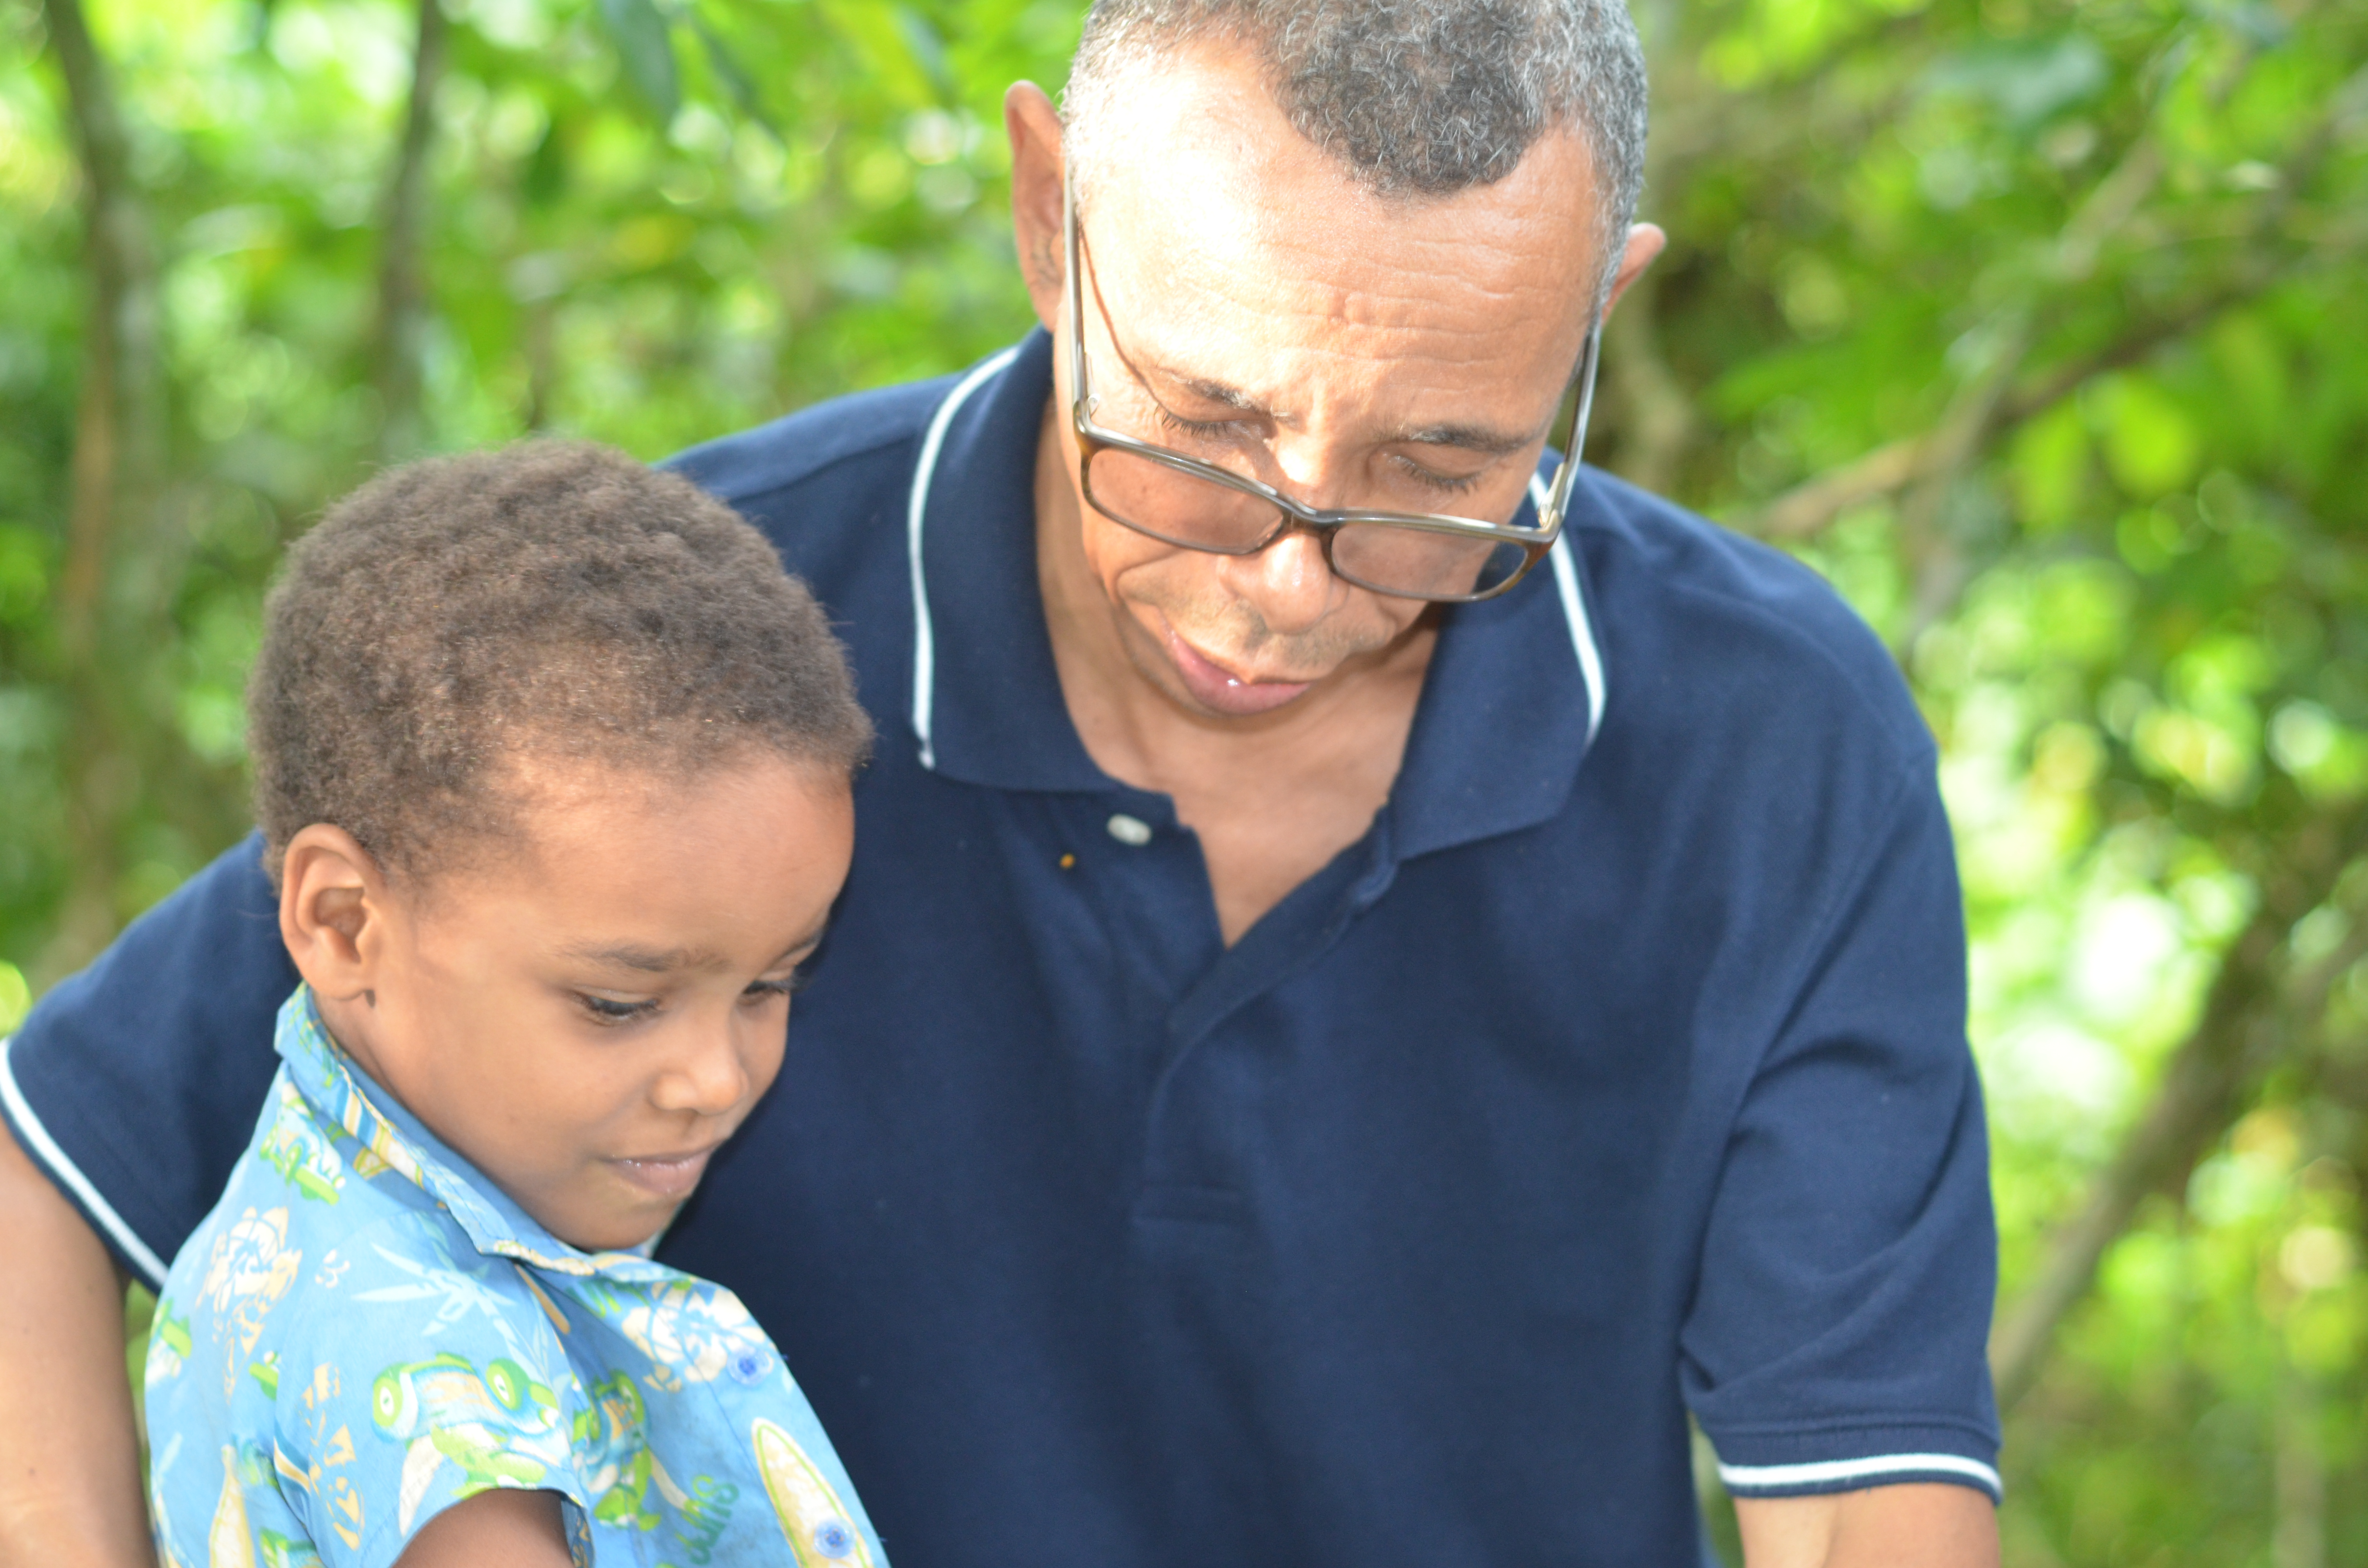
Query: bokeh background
point(2038, 326)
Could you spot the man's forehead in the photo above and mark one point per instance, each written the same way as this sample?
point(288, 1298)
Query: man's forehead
point(1210, 218)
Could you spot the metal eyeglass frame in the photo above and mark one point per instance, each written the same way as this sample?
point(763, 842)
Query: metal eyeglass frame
point(1324, 524)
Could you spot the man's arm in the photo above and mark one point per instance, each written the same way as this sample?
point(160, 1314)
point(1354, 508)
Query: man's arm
point(70, 1488)
point(135, 1085)
point(1927, 1526)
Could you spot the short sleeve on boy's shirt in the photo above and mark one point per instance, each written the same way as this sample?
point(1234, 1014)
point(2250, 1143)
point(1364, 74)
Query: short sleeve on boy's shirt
point(381, 1427)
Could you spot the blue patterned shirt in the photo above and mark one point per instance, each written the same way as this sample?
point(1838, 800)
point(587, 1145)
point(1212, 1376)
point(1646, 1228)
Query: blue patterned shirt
point(365, 1330)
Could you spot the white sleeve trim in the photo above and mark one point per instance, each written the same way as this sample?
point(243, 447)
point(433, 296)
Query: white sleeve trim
point(925, 641)
point(1574, 609)
point(44, 1148)
point(1825, 1471)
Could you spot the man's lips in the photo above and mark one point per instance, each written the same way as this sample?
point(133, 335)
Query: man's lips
point(1212, 686)
point(665, 1175)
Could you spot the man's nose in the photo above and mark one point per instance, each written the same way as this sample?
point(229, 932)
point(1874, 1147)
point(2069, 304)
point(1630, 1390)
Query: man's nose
point(1289, 583)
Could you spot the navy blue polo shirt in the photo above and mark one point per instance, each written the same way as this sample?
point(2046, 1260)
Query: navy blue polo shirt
point(1619, 1070)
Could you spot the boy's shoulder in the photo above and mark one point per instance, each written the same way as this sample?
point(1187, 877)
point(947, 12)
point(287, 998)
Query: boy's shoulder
point(333, 1360)
point(305, 1186)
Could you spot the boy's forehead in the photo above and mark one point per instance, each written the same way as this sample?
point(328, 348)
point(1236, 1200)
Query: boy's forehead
point(653, 874)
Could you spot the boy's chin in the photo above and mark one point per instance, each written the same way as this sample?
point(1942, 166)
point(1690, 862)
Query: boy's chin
point(612, 1227)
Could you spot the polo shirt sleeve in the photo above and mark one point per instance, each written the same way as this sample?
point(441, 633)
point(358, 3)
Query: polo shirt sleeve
point(1836, 1338)
point(418, 1376)
point(135, 1084)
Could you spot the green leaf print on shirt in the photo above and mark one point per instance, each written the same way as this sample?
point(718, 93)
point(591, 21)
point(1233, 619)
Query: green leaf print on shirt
point(300, 1149)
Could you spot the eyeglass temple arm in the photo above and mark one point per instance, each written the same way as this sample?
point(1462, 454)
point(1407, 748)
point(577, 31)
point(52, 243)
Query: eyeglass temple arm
point(1071, 308)
point(1567, 476)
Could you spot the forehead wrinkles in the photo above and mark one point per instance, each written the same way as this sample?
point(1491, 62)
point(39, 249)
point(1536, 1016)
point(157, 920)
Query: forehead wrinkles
point(1230, 248)
point(1298, 323)
point(1207, 148)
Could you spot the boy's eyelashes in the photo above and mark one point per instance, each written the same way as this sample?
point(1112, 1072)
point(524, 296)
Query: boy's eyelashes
point(612, 1010)
point(609, 1011)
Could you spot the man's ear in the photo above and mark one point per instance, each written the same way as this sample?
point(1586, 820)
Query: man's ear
point(1034, 126)
point(334, 911)
point(1645, 242)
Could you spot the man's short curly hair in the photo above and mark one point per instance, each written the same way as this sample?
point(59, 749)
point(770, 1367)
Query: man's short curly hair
point(556, 600)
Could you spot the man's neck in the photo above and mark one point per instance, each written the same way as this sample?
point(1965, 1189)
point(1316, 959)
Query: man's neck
point(1272, 798)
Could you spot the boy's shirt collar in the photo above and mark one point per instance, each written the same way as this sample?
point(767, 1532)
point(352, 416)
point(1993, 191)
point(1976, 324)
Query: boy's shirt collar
point(342, 1093)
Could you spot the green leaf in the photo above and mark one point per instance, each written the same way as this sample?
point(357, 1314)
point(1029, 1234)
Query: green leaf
point(736, 82)
point(2048, 468)
point(2027, 81)
point(645, 44)
point(2151, 445)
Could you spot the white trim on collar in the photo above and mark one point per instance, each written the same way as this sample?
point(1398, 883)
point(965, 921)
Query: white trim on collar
point(43, 1147)
point(1574, 609)
point(925, 642)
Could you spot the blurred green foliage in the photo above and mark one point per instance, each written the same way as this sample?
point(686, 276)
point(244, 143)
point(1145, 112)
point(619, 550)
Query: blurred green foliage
point(2035, 324)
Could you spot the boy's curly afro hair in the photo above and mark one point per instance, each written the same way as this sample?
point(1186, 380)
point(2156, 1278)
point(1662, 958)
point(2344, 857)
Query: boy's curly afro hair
point(556, 600)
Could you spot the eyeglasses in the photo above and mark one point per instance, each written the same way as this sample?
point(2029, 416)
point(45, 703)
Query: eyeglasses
point(1199, 505)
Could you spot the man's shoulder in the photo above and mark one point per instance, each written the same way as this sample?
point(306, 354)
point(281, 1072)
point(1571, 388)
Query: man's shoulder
point(865, 430)
point(1703, 612)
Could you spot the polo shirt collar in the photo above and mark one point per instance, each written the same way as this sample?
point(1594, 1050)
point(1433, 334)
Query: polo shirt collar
point(1513, 697)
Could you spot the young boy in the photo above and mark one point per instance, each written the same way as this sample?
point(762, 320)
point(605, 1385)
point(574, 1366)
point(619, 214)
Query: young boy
point(553, 760)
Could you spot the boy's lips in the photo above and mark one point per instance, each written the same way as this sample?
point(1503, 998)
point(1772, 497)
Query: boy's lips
point(1212, 686)
point(665, 1175)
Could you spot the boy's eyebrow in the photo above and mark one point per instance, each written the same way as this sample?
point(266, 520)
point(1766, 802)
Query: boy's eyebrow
point(669, 960)
point(648, 961)
point(811, 940)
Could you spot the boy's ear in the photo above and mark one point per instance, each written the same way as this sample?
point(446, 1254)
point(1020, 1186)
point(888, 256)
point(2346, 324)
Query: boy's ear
point(333, 909)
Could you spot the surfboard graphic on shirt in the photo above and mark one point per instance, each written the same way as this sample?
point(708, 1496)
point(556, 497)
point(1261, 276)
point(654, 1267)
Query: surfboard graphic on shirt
point(822, 1532)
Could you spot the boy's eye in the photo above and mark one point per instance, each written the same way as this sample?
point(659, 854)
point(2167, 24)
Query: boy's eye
point(608, 1010)
point(763, 991)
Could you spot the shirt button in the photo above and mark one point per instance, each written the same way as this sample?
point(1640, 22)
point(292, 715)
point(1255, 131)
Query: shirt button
point(1130, 830)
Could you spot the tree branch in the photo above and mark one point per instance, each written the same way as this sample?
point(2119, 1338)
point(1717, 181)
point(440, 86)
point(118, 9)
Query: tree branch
point(1927, 462)
point(118, 475)
point(2241, 1034)
point(399, 353)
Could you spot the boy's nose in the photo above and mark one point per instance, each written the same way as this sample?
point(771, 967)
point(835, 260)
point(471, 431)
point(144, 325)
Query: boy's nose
point(710, 1079)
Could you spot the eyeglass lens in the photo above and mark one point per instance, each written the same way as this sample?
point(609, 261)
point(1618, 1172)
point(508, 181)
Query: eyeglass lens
point(1181, 509)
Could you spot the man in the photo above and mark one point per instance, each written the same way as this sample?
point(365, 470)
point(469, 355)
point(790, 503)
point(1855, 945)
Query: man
point(1341, 1029)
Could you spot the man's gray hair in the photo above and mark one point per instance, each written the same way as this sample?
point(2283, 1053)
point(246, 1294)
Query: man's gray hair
point(1415, 97)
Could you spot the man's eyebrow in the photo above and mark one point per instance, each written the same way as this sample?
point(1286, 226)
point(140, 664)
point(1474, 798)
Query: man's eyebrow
point(1218, 391)
point(1463, 437)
